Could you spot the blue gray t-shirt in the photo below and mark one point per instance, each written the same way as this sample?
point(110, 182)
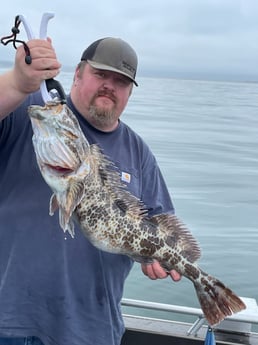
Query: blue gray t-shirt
point(59, 288)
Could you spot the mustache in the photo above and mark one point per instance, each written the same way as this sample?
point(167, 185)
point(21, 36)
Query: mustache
point(106, 93)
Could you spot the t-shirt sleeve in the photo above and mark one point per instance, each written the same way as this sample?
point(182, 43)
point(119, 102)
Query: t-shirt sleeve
point(13, 125)
point(155, 193)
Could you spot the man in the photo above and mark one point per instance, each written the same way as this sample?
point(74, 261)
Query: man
point(54, 289)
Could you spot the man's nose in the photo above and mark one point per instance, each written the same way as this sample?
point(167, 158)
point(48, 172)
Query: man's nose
point(109, 84)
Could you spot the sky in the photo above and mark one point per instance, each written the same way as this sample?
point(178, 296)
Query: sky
point(200, 39)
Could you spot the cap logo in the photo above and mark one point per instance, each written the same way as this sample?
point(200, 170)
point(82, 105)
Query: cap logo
point(128, 67)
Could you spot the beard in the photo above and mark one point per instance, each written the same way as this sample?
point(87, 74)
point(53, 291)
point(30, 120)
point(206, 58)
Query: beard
point(102, 118)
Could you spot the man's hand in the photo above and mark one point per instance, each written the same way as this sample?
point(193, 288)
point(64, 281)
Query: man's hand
point(155, 271)
point(44, 65)
point(23, 79)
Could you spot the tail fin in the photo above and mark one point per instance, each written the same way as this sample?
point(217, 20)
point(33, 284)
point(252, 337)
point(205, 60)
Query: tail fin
point(217, 301)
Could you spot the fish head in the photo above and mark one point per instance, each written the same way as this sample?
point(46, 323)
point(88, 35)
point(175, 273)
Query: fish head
point(58, 140)
point(61, 151)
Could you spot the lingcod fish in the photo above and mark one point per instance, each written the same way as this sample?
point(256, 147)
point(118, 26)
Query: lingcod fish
point(87, 188)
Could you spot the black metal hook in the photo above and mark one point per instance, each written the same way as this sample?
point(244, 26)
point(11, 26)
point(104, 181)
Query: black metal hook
point(53, 85)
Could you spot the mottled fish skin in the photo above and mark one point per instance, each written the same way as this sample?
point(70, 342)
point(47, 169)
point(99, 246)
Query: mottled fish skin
point(88, 187)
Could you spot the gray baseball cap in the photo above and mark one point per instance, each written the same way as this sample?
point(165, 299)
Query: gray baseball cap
point(112, 54)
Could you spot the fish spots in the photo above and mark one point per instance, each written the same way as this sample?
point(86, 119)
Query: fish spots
point(95, 213)
point(208, 288)
point(148, 246)
point(149, 226)
point(128, 237)
point(168, 258)
point(211, 285)
point(148, 251)
point(191, 271)
point(128, 246)
point(171, 241)
point(173, 258)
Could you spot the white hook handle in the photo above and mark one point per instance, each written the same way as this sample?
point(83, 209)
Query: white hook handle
point(27, 27)
point(43, 25)
point(42, 34)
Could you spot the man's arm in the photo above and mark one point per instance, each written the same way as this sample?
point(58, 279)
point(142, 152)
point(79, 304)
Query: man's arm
point(23, 79)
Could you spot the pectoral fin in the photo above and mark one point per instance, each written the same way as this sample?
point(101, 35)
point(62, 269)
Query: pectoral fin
point(67, 203)
point(53, 205)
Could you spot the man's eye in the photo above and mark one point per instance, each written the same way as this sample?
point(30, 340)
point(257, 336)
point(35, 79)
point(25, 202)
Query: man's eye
point(123, 81)
point(100, 74)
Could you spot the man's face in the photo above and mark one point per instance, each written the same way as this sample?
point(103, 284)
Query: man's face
point(100, 96)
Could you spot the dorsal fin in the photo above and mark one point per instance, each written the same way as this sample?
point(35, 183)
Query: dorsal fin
point(178, 236)
point(111, 180)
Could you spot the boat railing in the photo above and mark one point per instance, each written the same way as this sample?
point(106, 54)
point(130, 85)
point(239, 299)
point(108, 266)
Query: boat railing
point(249, 316)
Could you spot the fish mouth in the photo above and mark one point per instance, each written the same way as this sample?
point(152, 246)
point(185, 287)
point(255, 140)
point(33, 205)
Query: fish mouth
point(60, 170)
point(55, 157)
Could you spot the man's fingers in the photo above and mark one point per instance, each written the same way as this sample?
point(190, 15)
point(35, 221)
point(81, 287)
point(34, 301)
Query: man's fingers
point(155, 271)
point(175, 275)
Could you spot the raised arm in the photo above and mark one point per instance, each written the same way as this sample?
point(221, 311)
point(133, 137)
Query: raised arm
point(23, 79)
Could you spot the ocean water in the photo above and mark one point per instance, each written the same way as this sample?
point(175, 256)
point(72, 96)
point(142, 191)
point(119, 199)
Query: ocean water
point(204, 135)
